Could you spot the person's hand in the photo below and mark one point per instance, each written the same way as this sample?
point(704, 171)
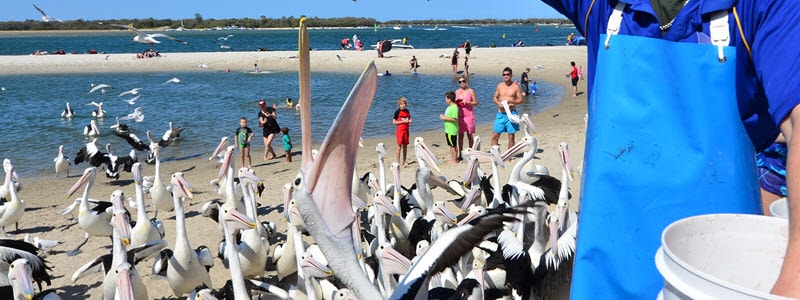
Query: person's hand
point(442, 117)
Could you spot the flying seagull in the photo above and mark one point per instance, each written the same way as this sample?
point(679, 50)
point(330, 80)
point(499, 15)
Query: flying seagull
point(147, 38)
point(45, 17)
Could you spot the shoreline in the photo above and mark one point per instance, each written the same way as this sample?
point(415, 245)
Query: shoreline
point(44, 194)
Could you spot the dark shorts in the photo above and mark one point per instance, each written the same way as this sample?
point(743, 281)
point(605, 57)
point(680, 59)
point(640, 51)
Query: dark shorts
point(245, 145)
point(771, 163)
point(451, 139)
point(575, 81)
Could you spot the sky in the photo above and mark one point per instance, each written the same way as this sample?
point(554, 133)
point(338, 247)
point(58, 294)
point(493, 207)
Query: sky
point(381, 10)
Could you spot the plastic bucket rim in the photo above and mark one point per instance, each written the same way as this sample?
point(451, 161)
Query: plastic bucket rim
point(705, 276)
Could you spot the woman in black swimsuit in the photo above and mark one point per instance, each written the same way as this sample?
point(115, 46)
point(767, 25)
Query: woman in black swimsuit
point(267, 119)
point(454, 61)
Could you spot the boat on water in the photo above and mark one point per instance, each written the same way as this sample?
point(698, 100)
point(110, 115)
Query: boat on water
point(396, 44)
point(435, 27)
point(397, 28)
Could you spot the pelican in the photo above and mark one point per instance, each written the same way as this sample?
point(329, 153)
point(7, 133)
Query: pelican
point(145, 230)
point(322, 188)
point(219, 153)
point(184, 269)
point(11, 211)
point(159, 192)
point(68, 112)
point(147, 38)
point(564, 223)
point(91, 129)
point(134, 91)
point(170, 135)
point(95, 221)
point(446, 251)
point(233, 221)
point(11, 250)
point(61, 162)
point(99, 112)
point(254, 247)
point(46, 17)
point(121, 238)
point(131, 138)
point(91, 154)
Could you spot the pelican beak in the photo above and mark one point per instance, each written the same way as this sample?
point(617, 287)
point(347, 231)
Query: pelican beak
point(87, 174)
point(395, 169)
point(313, 266)
point(20, 276)
point(441, 210)
point(124, 283)
point(426, 154)
point(470, 197)
point(472, 169)
point(226, 162)
point(245, 174)
point(480, 276)
point(468, 218)
point(223, 143)
point(287, 198)
point(563, 150)
point(238, 221)
point(526, 120)
point(441, 183)
point(384, 205)
point(522, 145)
point(180, 186)
point(329, 177)
point(120, 223)
point(393, 261)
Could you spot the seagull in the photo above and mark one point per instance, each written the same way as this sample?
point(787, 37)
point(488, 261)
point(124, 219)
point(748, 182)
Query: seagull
point(225, 37)
point(132, 101)
point(174, 79)
point(204, 66)
point(44, 245)
point(146, 38)
point(134, 91)
point(136, 115)
point(45, 17)
point(96, 87)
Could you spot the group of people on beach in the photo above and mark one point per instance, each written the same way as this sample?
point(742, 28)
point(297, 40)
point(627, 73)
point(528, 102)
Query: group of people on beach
point(268, 121)
point(459, 117)
point(149, 53)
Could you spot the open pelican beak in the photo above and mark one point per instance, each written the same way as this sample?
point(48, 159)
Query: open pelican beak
point(180, 186)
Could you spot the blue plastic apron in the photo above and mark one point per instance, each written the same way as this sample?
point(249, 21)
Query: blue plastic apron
point(664, 142)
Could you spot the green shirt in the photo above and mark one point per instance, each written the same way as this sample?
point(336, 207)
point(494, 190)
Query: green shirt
point(451, 127)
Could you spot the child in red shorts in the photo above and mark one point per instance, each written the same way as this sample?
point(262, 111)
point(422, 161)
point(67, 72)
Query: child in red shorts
point(401, 119)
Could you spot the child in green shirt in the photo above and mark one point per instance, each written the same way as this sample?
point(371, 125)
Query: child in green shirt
point(450, 118)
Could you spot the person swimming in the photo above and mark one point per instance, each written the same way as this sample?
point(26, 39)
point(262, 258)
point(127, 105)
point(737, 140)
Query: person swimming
point(289, 102)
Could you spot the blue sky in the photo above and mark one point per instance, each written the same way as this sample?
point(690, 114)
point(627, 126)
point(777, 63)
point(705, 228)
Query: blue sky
point(381, 10)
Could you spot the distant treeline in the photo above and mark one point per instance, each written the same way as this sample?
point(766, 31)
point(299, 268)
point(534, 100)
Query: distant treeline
point(200, 23)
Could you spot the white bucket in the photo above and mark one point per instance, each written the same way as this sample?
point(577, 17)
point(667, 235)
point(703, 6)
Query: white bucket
point(722, 256)
point(779, 208)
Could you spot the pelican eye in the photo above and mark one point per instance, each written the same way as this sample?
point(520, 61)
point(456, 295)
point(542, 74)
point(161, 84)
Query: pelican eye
point(298, 181)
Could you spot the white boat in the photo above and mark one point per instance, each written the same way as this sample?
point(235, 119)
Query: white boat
point(397, 28)
point(435, 27)
point(396, 44)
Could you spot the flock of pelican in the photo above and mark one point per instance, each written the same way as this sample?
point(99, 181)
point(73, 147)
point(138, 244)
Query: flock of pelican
point(348, 235)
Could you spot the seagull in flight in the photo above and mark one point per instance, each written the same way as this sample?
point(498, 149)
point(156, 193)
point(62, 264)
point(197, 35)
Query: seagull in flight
point(147, 38)
point(225, 37)
point(45, 17)
point(134, 91)
point(101, 87)
point(132, 101)
point(136, 115)
point(174, 79)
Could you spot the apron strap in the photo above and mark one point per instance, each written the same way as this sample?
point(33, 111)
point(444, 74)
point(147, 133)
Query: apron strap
point(614, 21)
point(718, 30)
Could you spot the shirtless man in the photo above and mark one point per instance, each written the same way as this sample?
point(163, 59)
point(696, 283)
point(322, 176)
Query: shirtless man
point(506, 91)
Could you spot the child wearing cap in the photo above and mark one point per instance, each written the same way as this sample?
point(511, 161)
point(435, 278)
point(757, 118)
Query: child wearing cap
point(242, 138)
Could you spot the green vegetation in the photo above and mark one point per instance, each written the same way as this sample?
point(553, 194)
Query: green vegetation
point(200, 23)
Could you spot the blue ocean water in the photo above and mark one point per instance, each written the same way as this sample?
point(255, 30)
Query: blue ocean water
point(209, 103)
point(284, 39)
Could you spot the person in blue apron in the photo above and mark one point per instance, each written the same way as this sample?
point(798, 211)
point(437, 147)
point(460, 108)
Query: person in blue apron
point(682, 93)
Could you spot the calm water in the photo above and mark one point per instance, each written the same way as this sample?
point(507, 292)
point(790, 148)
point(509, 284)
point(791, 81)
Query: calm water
point(209, 103)
point(282, 40)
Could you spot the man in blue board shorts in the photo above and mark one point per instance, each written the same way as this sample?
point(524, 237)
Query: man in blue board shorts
point(506, 91)
point(736, 95)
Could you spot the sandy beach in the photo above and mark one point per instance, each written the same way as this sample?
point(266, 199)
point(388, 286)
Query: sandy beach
point(45, 196)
